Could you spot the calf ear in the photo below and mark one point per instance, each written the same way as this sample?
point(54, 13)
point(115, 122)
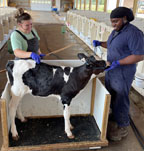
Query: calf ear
point(82, 57)
point(92, 59)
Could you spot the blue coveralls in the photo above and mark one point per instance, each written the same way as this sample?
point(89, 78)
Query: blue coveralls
point(128, 41)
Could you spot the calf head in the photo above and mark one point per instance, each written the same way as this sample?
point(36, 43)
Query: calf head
point(96, 66)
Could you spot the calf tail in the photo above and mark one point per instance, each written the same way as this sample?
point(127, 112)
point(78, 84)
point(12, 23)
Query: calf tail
point(9, 68)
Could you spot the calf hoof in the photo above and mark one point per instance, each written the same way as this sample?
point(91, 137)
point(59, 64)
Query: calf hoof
point(25, 120)
point(71, 137)
point(15, 138)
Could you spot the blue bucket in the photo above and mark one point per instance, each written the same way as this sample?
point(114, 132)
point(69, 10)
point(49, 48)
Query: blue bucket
point(54, 9)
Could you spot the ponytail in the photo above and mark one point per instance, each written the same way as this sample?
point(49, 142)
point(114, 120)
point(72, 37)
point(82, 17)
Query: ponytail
point(21, 15)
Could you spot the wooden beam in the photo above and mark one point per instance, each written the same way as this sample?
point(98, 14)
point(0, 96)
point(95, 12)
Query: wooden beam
point(76, 4)
point(105, 5)
point(89, 4)
point(84, 4)
point(96, 5)
point(80, 4)
point(29, 3)
point(105, 117)
point(135, 6)
point(4, 124)
point(93, 96)
point(117, 4)
point(61, 146)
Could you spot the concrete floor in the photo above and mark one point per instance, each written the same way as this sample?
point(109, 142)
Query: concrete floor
point(49, 30)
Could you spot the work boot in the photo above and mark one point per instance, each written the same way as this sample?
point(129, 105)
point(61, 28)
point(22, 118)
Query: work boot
point(112, 125)
point(118, 133)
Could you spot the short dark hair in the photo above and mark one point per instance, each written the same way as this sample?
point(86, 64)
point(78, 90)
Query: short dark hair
point(120, 12)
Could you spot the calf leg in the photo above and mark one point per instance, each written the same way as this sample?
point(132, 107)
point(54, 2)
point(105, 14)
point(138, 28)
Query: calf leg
point(68, 125)
point(19, 114)
point(12, 111)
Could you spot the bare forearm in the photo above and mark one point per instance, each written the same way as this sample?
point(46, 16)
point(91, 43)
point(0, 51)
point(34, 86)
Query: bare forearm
point(132, 59)
point(21, 54)
point(39, 52)
point(104, 44)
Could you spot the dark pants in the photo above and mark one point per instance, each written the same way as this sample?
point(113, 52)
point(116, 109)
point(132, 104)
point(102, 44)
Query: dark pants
point(118, 82)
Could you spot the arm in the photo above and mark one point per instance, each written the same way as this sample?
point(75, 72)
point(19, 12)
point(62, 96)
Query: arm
point(100, 43)
point(132, 59)
point(39, 52)
point(22, 54)
point(104, 44)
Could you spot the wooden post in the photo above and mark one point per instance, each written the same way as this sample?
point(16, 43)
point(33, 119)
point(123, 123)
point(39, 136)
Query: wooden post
point(105, 6)
point(93, 96)
point(76, 4)
point(105, 117)
point(135, 6)
point(4, 125)
point(84, 4)
point(29, 3)
point(80, 4)
point(2, 32)
point(96, 5)
point(89, 4)
point(117, 4)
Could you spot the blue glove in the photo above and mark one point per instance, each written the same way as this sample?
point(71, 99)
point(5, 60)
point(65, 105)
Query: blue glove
point(113, 65)
point(96, 43)
point(42, 55)
point(35, 57)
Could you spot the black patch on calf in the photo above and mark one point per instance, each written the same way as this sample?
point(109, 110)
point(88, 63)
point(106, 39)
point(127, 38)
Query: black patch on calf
point(9, 68)
point(67, 70)
point(77, 81)
point(42, 81)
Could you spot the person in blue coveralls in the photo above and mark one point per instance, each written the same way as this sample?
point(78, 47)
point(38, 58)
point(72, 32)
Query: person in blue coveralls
point(25, 40)
point(125, 47)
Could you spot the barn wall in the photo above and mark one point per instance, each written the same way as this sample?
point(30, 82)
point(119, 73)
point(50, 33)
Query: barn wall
point(20, 3)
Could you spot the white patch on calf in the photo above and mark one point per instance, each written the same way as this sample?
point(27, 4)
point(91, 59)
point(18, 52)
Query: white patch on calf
point(83, 60)
point(63, 67)
point(92, 76)
point(54, 95)
point(54, 70)
point(20, 67)
point(71, 69)
point(66, 77)
point(67, 120)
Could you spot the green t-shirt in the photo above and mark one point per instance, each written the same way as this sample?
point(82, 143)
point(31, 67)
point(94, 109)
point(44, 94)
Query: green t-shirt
point(18, 42)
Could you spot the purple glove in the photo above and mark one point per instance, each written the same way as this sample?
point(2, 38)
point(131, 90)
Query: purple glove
point(42, 55)
point(113, 65)
point(35, 57)
point(96, 43)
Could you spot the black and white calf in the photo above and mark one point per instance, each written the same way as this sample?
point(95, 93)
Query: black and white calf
point(43, 80)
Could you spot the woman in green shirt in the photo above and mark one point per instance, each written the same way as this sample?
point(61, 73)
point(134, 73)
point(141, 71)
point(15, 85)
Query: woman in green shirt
point(24, 39)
